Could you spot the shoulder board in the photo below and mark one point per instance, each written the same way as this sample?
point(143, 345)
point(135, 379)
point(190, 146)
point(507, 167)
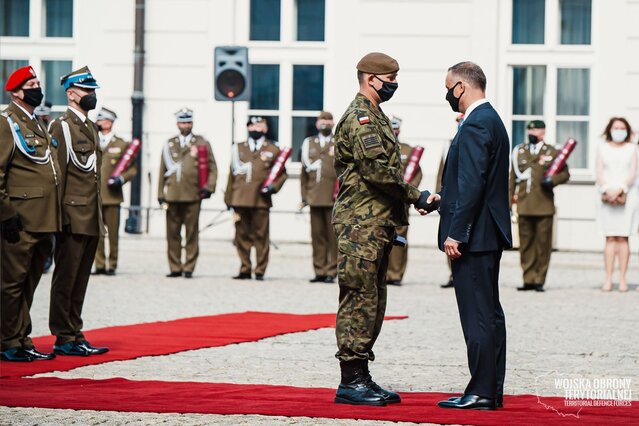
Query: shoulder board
point(4, 114)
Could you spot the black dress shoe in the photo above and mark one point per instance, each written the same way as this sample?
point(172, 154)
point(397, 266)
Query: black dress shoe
point(393, 282)
point(174, 274)
point(110, 272)
point(527, 287)
point(356, 387)
point(243, 276)
point(188, 274)
point(39, 356)
point(70, 349)
point(15, 355)
point(318, 279)
point(539, 288)
point(99, 271)
point(259, 277)
point(92, 350)
point(449, 284)
point(468, 402)
point(329, 279)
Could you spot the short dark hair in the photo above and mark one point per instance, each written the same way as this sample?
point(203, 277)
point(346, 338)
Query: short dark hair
point(360, 77)
point(470, 72)
point(607, 132)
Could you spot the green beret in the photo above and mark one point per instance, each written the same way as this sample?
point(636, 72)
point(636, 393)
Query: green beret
point(536, 124)
point(377, 63)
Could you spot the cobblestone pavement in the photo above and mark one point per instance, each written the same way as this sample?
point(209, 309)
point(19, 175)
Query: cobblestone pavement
point(573, 329)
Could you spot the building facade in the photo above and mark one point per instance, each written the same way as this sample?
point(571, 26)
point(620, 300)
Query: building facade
point(568, 62)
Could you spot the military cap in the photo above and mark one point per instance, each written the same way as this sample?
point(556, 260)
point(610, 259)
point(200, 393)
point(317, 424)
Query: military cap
point(41, 110)
point(19, 77)
point(256, 119)
point(184, 115)
point(536, 124)
point(377, 63)
point(106, 114)
point(396, 122)
point(325, 115)
point(79, 78)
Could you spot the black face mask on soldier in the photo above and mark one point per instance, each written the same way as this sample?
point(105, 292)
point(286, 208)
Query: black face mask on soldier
point(255, 134)
point(325, 129)
point(387, 90)
point(532, 139)
point(33, 96)
point(88, 102)
point(452, 100)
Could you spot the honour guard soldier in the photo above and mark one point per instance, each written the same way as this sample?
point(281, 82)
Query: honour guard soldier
point(399, 253)
point(251, 163)
point(112, 148)
point(534, 196)
point(29, 211)
point(180, 189)
point(318, 181)
point(370, 205)
point(80, 159)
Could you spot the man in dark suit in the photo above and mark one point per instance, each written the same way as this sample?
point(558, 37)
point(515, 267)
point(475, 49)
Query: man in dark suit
point(473, 231)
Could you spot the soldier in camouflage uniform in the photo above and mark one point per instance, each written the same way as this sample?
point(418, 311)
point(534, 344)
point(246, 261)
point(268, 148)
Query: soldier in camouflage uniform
point(370, 204)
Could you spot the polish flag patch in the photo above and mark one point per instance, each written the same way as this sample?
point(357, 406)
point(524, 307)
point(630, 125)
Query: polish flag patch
point(363, 119)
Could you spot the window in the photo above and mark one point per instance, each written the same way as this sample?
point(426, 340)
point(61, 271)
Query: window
point(265, 95)
point(53, 70)
point(310, 20)
point(575, 17)
point(265, 20)
point(308, 87)
point(7, 67)
point(14, 18)
point(528, 21)
point(529, 88)
point(573, 110)
point(59, 18)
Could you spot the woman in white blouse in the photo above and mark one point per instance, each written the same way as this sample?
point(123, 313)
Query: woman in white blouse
point(616, 171)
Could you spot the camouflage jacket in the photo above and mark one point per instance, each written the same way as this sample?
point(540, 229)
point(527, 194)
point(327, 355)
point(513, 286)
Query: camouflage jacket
point(372, 190)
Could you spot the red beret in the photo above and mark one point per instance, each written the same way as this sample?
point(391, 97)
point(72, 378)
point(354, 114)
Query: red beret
point(19, 77)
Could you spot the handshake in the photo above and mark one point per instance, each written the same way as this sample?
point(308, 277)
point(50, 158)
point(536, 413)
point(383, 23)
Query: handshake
point(427, 203)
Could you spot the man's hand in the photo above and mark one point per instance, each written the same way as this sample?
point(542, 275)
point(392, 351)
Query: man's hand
point(547, 183)
point(427, 203)
point(268, 191)
point(116, 182)
point(451, 247)
point(10, 229)
point(205, 193)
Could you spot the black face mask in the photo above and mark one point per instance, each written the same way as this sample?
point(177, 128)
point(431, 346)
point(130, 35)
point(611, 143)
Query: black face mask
point(33, 96)
point(88, 102)
point(532, 139)
point(452, 100)
point(387, 90)
point(255, 135)
point(325, 130)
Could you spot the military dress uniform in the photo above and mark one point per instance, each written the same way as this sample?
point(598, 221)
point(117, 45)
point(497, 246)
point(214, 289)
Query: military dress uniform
point(318, 185)
point(399, 255)
point(179, 188)
point(535, 208)
point(29, 191)
point(251, 163)
point(80, 161)
point(112, 148)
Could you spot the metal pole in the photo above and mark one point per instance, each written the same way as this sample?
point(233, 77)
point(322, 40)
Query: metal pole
point(134, 223)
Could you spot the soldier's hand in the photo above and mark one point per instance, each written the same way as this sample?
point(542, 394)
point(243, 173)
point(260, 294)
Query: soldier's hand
point(10, 229)
point(116, 182)
point(427, 202)
point(547, 183)
point(205, 193)
point(268, 191)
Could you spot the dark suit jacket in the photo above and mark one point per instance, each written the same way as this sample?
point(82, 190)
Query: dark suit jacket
point(474, 207)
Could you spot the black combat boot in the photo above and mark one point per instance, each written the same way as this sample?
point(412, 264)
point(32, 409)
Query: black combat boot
point(389, 397)
point(355, 387)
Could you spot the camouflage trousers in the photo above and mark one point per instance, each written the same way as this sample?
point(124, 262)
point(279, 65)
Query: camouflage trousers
point(362, 262)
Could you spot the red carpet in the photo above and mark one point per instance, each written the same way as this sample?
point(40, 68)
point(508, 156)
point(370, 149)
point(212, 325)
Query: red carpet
point(169, 337)
point(217, 398)
point(163, 338)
